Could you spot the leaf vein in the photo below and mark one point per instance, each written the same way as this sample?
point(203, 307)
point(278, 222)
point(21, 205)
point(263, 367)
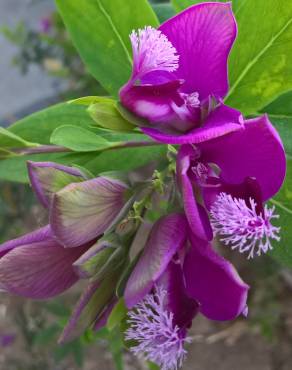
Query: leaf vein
point(257, 57)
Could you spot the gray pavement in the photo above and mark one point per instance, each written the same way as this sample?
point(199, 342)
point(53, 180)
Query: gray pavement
point(20, 93)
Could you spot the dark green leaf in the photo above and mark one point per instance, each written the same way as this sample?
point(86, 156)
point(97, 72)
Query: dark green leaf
point(280, 113)
point(125, 159)
point(46, 335)
point(100, 30)
point(39, 126)
point(163, 11)
point(116, 346)
point(283, 202)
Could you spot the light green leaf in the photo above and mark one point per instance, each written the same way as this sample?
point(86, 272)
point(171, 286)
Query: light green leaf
point(282, 251)
point(88, 100)
point(79, 139)
point(259, 66)
point(100, 31)
point(39, 126)
point(10, 140)
point(106, 115)
point(118, 313)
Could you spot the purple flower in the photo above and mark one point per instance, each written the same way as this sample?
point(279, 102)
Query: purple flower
point(177, 276)
point(234, 175)
point(80, 209)
point(179, 76)
point(45, 24)
point(153, 327)
point(37, 266)
point(7, 340)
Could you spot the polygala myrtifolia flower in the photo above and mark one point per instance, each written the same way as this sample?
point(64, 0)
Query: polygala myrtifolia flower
point(226, 169)
point(234, 175)
point(179, 76)
point(178, 276)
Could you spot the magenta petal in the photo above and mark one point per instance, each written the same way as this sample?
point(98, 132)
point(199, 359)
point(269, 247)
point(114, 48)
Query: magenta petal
point(223, 120)
point(184, 309)
point(82, 211)
point(196, 215)
point(49, 177)
point(203, 36)
point(39, 269)
point(256, 151)
point(151, 102)
point(166, 238)
point(214, 283)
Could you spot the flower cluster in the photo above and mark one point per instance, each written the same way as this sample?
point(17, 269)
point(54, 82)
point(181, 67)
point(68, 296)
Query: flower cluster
point(167, 270)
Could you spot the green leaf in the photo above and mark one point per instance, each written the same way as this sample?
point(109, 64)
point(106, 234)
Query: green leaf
point(79, 139)
point(117, 315)
point(106, 115)
point(259, 64)
point(46, 335)
point(39, 126)
point(15, 168)
point(282, 251)
point(116, 346)
point(280, 113)
point(88, 100)
point(6, 153)
point(125, 159)
point(280, 107)
point(10, 140)
point(180, 5)
point(284, 128)
point(100, 31)
point(163, 11)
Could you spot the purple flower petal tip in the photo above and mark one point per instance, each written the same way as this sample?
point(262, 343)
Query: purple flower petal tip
point(36, 266)
point(49, 177)
point(214, 283)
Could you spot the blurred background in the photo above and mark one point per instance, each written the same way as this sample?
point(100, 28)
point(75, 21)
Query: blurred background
point(38, 67)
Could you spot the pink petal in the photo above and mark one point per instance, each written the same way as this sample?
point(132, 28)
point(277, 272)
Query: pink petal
point(196, 215)
point(256, 151)
point(214, 283)
point(203, 36)
point(223, 120)
point(39, 269)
